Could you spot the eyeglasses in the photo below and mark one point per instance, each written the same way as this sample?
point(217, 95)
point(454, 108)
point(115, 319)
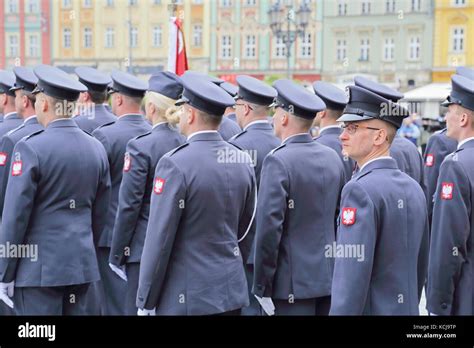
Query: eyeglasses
point(351, 128)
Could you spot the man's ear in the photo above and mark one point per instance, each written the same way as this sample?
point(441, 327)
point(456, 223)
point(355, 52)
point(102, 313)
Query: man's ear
point(464, 119)
point(382, 136)
point(25, 101)
point(44, 103)
point(322, 114)
point(191, 116)
point(284, 119)
point(247, 109)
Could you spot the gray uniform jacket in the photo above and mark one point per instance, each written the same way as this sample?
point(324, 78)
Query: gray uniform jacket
point(142, 156)
point(451, 270)
point(57, 196)
point(200, 207)
point(382, 260)
point(114, 137)
point(296, 219)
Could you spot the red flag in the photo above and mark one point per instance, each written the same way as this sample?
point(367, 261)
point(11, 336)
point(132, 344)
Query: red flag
point(177, 60)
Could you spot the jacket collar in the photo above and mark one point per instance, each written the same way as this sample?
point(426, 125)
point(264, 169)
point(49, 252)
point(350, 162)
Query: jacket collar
point(330, 130)
point(298, 138)
point(11, 116)
point(260, 124)
point(131, 118)
point(204, 136)
point(31, 120)
point(62, 122)
point(466, 144)
point(378, 163)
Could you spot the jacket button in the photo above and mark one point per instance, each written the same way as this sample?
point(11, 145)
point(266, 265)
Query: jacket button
point(444, 305)
point(140, 298)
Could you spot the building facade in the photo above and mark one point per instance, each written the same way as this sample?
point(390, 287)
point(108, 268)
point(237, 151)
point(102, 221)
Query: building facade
point(24, 33)
point(241, 41)
point(453, 43)
point(387, 40)
point(117, 34)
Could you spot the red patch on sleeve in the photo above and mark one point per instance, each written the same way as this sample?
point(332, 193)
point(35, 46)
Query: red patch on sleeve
point(429, 162)
point(3, 159)
point(348, 216)
point(17, 168)
point(127, 163)
point(447, 190)
point(159, 185)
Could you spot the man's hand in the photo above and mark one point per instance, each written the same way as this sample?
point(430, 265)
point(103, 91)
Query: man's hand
point(6, 292)
point(146, 312)
point(267, 304)
point(120, 271)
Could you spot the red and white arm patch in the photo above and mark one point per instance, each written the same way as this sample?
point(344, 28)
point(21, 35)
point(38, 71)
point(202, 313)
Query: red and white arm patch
point(348, 216)
point(17, 168)
point(159, 185)
point(447, 189)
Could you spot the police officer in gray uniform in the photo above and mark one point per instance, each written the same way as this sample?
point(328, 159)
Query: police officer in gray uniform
point(330, 129)
point(25, 107)
point(56, 206)
point(253, 102)
point(142, 156)
point(127, 94)
point(299, 191)
point(92, 110)
point(202, 202)
point(438, 147)
point(405, 153)
point(382, 238)
point(228, 128)
point(450, 289)
point(11, 119)
point(232, 90)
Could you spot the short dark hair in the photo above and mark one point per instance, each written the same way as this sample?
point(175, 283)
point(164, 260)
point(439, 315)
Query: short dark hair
point(98, 97)
point(31, 97)
point(213, 120)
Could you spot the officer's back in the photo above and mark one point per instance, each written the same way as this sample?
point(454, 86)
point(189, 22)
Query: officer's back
point(201, 204)
point(93, 113)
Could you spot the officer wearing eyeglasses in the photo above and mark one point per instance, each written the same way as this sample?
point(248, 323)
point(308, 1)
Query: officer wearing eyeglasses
point(403, 151)
point(382, 238)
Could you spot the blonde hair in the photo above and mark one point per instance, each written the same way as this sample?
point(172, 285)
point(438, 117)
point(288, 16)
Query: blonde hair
point(165, 106)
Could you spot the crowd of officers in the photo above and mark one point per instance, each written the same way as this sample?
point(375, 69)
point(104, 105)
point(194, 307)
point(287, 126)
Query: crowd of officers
point(200, 203)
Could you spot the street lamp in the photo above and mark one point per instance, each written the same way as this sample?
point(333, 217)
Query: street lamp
point(296, 24)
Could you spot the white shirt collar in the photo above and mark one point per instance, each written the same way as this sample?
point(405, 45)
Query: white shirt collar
point(59, 119)
point(328, 127)
point(156, 125)
point(255, 122)
point(200, 132)
point(464, 141)
point(8, 115)
point(372, 160)
point(29, 118)
point(130, 113)
point(292, 136)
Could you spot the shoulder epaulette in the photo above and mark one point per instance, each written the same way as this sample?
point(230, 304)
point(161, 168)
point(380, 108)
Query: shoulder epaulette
point(237, 135)
point(277, 148)
point(172, 152)
point(33, 134)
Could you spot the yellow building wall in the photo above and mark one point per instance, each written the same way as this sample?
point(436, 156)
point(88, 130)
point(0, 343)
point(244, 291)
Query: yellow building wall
point(145, 16)
point(446, 17)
